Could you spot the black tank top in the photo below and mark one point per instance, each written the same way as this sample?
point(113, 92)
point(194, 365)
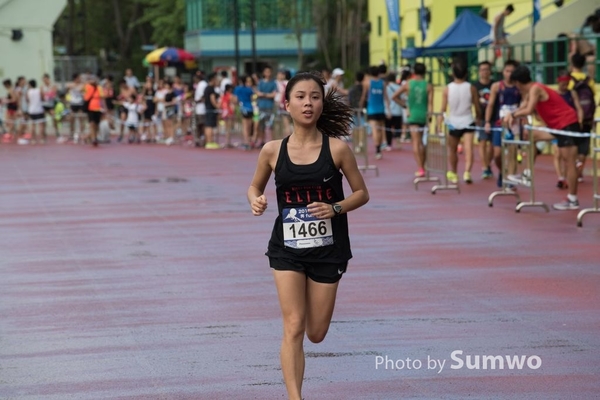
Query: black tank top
point(11, 106)
point(297, 235)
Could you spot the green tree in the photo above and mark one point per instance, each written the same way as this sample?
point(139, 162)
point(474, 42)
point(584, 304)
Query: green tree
point(167, 19)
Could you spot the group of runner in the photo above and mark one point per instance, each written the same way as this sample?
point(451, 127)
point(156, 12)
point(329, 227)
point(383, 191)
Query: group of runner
point(309, 247)
point(28, 102)
point(490, 110)
point(156, 110)
point(566, 113)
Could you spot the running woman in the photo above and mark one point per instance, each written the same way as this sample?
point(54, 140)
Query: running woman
point(504, 99)
point(35, 110)
point(170, 114)
point(227, 113)
point(572, 100)
point(419, 110)
point(212, 112)
point(125, 92)
point(75, 97)
point(460, 97)
point(12, 108)
point(21, 90)
point(393, 124)
point(149, 127)
point(585, 89)
point(375, 95)
point(96, 107)
point(49, 93)
point(556, 114)
point(484, 87)
point(109, 99)
point(243, 96)
point(404, 78)
point(134, 109)
point(309, 247)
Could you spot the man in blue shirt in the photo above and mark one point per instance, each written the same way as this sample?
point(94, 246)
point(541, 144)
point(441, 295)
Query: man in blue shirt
point(267, 89)
point(243, 94)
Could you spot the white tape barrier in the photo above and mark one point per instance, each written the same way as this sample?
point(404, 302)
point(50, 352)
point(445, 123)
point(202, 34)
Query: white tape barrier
point(557, 131)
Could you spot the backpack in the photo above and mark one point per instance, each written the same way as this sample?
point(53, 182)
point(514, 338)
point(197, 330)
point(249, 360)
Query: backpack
point(586, 97)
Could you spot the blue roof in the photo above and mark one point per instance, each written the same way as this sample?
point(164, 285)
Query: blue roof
point(466, 31)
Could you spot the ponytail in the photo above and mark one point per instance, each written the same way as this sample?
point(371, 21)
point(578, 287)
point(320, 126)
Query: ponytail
point(337, 116)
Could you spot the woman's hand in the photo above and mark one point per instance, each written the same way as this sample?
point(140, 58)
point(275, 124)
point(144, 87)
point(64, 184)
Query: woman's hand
point(259, 205)
point(321, 210)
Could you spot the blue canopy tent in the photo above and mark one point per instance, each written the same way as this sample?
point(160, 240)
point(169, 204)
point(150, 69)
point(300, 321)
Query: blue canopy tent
point(468, 30)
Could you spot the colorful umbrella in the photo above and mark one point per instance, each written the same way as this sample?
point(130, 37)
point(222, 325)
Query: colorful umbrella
point(169, 56)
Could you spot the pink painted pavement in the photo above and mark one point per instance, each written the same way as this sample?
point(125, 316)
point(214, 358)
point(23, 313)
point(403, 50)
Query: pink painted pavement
point(138, 272)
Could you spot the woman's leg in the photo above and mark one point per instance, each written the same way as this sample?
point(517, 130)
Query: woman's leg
point(557, 164)
point(93, 133)
point(452, 155)
point(246, 126)
point(416, 138)
point(123, 118)
point(43, 129)
point(377, 134)
point(320, 302)
point(292, 290)
point(468, 143)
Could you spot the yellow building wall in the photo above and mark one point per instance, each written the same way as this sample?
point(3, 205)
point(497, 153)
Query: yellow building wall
point(443, 14)
point(380, 38)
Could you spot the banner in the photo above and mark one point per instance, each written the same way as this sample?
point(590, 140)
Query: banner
point(393, 9)
point(423, 21)
point(537, 11)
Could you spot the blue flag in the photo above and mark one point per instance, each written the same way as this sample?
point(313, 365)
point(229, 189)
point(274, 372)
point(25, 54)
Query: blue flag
point(393, 10)
point(537, 11)
point(423, 21)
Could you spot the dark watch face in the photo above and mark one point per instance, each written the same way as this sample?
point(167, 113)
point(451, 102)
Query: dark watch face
point(337, 208)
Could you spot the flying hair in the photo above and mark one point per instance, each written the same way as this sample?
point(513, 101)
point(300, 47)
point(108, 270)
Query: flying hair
point(336, 119)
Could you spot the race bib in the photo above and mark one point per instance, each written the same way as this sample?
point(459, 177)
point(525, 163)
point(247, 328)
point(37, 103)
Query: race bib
point(302, 231)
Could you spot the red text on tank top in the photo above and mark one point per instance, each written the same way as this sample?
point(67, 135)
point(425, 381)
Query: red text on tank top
point(555, 111)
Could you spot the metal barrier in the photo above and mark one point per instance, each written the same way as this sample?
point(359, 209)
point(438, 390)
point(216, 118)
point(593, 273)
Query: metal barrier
point(278, 125)
point(596, 195)
point(359, 142)
point(528, 180)
point(436, 161)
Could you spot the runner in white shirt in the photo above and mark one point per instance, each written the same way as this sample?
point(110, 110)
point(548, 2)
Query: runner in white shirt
point(461, 97)
point(36, 112)
point(200, 112)
point(49, 93)
point(225, 80)
point(159, 100)
point(134, 109)
point(75, 97)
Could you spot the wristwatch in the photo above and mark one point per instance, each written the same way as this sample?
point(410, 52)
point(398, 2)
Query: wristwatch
point(337, 209)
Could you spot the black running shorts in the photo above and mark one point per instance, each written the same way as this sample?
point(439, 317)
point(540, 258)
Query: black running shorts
point(317, 271)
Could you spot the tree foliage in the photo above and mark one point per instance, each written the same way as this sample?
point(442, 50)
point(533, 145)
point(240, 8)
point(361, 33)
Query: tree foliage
point(167, 19)
point(115, 30)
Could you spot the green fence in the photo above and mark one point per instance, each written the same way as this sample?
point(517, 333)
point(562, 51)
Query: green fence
point(546, 59)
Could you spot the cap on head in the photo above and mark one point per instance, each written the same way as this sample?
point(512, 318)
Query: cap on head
point(337, 72)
